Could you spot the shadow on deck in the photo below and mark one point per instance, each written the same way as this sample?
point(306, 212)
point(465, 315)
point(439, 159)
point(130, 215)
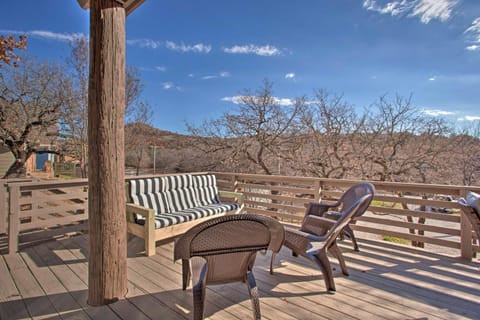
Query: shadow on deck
point(387, 281)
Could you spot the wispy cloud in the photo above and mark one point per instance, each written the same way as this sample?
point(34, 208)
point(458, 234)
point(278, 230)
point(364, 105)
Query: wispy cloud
point(278, 101)
point(161, 68)
point(47, 35)
point(473, 47)
point(223, 74)
point(469, 118)
point(290, 75)
point(473, 33)
point(171, 86)
point(432, 78)
point(437, 112)
point(144, 43)
point(181, 47)
point(266, 50)
point(426, 10)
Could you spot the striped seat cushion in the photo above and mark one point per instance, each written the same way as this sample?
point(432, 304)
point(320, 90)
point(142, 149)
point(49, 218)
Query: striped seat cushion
point(149, 193)
point(180, 192)
point(206, 190)
point(168, 219)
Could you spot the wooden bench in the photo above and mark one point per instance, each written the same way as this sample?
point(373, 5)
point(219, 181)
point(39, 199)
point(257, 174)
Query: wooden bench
point(164, 207)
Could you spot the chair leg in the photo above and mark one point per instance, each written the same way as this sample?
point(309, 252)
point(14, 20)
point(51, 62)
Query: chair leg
point(253, 291)
point(337, 253)
point(185, 274)
point(199, 280)
point(322, 261)
point(349, 232)
point(272, 261)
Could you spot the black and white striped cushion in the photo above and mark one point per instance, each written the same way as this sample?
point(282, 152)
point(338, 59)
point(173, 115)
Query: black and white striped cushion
point(180, 192)
point(149, 193)
point(168, 219)
point(206, 190)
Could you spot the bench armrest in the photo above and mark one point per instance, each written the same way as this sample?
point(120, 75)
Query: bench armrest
point(137, 209)
point(238, 196)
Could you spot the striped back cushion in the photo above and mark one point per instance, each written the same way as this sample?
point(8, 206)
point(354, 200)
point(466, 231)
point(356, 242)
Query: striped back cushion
point(180, 192)
point(206, 189)
point(149, 193)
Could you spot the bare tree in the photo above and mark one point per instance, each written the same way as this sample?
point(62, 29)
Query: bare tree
point(7, 48)
point(256, 134)
point(467, 154)
point(400, 141)
point(328, 149)
point(30, 98)
point(73, 119)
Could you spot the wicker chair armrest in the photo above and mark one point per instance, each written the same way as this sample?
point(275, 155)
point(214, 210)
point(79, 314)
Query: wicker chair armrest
point(298, 240)
point(318, 208)
point(317, 225)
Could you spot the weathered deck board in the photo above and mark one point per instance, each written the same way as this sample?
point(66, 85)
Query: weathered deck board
point(386, 281)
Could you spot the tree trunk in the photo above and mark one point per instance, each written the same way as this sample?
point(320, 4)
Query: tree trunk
point(18, 169)
point(107, 278)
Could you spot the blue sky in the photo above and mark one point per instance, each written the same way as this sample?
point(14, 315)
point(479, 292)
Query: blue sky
point(196, 56)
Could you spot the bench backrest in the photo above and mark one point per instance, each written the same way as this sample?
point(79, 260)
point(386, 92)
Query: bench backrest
point(174, 193)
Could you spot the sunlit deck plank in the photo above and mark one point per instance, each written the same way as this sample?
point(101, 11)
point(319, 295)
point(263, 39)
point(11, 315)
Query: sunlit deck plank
point(58, 295)
point(37, 303)
point(12, 305)
point(76, 287)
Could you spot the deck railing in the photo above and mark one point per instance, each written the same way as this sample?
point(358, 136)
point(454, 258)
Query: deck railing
point(410, 211)
point(417, 213)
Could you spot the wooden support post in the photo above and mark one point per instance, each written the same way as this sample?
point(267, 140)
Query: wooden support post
point(107, 278)
point(13, 218)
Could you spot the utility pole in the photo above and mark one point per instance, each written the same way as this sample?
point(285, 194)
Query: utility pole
point(154, 157)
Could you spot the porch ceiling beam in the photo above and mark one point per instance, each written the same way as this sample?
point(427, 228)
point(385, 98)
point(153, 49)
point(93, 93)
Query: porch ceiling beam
point(129, 5)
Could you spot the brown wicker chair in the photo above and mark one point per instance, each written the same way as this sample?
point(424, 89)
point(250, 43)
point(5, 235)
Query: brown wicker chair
point(314, 247)
point(223, 250)
point(346, 201)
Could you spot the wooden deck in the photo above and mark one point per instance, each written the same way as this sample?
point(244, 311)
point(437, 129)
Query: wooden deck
point(387, 281)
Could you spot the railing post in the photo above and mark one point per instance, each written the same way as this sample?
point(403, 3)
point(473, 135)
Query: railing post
point(318, 190)
point(3, 207)
point(466, 246)
point(13, 218)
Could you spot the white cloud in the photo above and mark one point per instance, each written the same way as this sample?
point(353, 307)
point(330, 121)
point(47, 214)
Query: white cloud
point(161, 68)
point(473, 33)
point(198, 48)
point(170, 86)
point(469, 118)
point(223, 74)
point(279, 101)
point(48, 35)
point(290, 75)
point(144, 43)
point(437, 112)
point(266, 50)
point(426, 10)
point(432, 78)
